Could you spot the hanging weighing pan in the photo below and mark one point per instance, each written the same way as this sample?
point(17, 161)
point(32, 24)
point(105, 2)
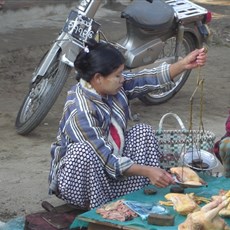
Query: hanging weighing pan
point(199, 160)
point(186, 185)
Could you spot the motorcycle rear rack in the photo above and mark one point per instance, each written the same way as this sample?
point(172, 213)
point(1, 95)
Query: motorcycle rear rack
point(186, 9)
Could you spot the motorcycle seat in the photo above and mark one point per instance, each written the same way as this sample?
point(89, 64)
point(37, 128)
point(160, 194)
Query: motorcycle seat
point(149, 15)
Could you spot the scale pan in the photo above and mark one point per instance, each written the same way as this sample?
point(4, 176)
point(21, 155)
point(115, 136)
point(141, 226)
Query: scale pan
point(185, 185)
point(200, 160)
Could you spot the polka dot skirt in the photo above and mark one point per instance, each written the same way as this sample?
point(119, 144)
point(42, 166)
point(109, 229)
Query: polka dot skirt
point(82, 181)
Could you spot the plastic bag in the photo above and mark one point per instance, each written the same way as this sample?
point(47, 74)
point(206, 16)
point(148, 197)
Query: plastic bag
point(144, 209)
point(14, 224)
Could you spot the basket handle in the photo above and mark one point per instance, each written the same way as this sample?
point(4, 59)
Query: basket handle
point(176, 117)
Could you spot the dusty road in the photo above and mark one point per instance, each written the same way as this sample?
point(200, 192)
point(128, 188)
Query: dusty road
point(25, 35)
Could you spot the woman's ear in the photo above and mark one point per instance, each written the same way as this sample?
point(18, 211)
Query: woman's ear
point(97, 78)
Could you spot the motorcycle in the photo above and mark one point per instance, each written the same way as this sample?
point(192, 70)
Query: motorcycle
point(157, 31)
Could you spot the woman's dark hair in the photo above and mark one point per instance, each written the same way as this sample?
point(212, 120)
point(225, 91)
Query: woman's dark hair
point(100, 58)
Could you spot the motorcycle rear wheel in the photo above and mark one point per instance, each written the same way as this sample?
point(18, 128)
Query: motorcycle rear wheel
point(160, 96)
point(41, 97)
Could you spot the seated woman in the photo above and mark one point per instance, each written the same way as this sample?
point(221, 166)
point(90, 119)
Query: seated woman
point(96, 158)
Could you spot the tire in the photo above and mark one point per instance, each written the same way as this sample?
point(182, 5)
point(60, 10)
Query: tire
point(160, 96)
point(41, 97)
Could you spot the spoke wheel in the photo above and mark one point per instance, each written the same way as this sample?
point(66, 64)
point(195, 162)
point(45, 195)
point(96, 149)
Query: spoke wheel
point(41, 97)
point(162, 95)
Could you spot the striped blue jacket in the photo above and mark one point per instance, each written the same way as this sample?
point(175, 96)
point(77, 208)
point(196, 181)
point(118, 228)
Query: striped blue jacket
point(87, 116)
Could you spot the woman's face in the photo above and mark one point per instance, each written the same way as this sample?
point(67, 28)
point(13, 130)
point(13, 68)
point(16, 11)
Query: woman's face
point(112, 83)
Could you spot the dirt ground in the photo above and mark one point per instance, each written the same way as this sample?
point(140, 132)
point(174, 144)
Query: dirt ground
point(27, 28)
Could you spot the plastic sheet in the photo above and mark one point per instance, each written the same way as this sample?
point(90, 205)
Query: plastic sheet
point(143, 209)
point(214, 186)
point(14, 224)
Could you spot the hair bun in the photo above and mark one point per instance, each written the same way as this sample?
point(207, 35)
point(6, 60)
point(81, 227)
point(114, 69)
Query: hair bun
point(92, 44)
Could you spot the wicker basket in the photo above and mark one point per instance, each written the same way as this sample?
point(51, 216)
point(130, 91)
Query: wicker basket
point(175, 142)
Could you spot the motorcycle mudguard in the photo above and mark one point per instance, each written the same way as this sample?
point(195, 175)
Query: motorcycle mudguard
point(46, 62)
point(68, 52)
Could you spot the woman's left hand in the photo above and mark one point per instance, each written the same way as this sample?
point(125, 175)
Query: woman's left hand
point(196, 58)
point(193, 60)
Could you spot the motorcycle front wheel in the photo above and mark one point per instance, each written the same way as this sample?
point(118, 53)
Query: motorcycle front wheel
point(160, 96)
point(41, 97)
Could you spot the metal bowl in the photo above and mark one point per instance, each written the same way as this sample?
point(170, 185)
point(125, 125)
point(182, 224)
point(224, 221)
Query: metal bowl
point(193, 154)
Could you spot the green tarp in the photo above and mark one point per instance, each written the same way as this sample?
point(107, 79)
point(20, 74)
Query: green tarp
point(214, 186)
